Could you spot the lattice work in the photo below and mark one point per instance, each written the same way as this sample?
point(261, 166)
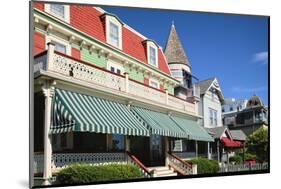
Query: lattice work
point(61, 160)
point(70, 67)
point(38, 163)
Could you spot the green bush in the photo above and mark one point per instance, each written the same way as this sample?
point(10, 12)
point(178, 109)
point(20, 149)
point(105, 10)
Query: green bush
point(85, 173)
point(236, 159)
point(205, 165)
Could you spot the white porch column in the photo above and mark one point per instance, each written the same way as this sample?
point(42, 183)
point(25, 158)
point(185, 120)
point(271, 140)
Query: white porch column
point(50, 54)
point(196, 148)
point(48, 91)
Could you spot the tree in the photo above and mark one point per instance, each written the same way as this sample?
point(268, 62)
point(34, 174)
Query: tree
point(257, 144)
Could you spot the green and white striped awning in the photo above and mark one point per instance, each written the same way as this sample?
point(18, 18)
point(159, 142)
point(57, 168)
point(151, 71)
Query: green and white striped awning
point(83, 113)
point(194, 130)
point(159, 123)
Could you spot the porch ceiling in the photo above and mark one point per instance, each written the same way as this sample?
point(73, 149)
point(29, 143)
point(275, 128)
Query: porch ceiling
point(83, 113)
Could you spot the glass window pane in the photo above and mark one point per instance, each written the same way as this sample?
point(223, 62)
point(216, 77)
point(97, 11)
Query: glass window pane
point(152, 57)
point(59, 47)
point(118, 142)
point(113, 34)
point(57, 10)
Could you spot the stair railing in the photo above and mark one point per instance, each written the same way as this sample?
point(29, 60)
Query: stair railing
point(135, 161)
point(180, 166)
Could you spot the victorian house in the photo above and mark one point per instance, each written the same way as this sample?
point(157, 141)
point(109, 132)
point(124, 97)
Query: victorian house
point(210, 108)
point(104, 93)
point(248, 119)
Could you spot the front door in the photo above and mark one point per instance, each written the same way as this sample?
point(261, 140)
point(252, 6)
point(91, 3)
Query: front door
point(157, 155)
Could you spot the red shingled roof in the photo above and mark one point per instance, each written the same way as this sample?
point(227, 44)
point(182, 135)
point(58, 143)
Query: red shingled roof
point(87, 19)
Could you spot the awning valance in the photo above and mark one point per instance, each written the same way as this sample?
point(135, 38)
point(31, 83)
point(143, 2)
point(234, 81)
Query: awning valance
point(230, 143)
point(83, 113)
point(159, 123)
point(194, 130)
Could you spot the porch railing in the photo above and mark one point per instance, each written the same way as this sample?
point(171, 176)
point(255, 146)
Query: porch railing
point(180, 166)
point(65, 65)
point(61, 160)
point(185, 155)
point(243, 167)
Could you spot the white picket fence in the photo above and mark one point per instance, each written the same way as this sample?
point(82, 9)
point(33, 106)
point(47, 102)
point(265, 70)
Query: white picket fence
point(243, 167)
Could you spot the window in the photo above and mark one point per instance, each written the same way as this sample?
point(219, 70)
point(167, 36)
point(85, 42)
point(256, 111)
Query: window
point(59, 47)
point(118, 142)
point(213, 117)
point(177, 73)
point(63, 140)
point(152, 56)
point(115, 67)
point(231, 108)
point(57, 10)
point(154, 84)
point(113, 34)
point(115, 70)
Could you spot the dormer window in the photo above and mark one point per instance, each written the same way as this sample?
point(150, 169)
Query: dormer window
point(152, 52)
point(113, 30)
point(59, 11)
point(152, 56)
point(114, 34)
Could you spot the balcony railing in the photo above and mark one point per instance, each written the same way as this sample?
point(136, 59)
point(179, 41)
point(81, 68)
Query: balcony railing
point(55, 62)
point(193, 92)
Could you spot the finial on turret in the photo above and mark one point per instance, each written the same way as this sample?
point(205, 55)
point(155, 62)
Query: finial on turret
point(173, 23)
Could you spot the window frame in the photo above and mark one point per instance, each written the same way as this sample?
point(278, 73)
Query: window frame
point(51, 38)
point(112, 20)
point(116, 66)
point(154, 81)
point(66, 17)
point(150, 44)
point(123, 147)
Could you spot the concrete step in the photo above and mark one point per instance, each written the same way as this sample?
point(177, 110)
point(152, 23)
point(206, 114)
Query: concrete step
point(162, 171)
point(160, 168)
point(167, 175)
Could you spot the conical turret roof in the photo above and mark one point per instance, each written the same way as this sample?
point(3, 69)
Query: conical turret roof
point(174, 51)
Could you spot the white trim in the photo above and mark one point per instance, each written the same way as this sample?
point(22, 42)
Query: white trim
point(50, 38)
point(66, 12)
point(154, 81)
point(110, 19)
point(149, 45)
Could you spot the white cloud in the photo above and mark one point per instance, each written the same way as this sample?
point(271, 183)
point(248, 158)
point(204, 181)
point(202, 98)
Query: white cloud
point(261, 57)
point(249, 90)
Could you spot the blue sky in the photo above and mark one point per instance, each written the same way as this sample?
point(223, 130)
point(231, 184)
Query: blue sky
point(232, 48)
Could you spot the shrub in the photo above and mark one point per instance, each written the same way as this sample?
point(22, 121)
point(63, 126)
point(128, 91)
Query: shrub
point(205, 165)
point(236, 159)
point(85, 173)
